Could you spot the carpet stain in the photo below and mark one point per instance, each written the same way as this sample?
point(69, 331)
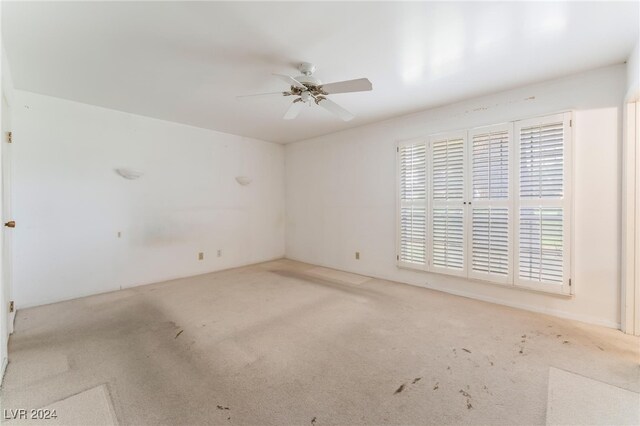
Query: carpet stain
point(313, 421)
point(179, 333)
point(436, 386)
point(220, 407)
point(416, 380)
point(468, 396)
point(400, 389)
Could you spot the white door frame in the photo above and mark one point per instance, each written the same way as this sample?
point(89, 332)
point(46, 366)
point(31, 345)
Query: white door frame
point(6, 289)
point(630, 262)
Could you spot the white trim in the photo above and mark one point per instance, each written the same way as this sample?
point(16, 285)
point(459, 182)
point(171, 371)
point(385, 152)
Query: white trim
point(130, 286)
point(630, 245)
point(5, 362)
point(637, 221)
point(7, 81)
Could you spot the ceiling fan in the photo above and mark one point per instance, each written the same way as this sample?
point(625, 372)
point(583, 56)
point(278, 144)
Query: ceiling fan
point(308, 90)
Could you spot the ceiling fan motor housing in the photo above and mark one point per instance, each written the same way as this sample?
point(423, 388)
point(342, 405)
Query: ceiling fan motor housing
point(308, 80)
point(307, 68)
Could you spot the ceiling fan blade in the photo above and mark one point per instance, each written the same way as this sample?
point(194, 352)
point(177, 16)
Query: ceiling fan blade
point(290, 81)
point(294, 110)
point(357, 85)
point(335, 109)
point(263, 95)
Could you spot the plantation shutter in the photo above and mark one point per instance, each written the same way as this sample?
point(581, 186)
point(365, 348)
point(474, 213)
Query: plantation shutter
point(448, 214)
point(543, 207)
point(490, 222)
point(412, 169)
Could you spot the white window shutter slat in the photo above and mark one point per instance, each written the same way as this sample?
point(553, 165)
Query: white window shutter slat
point(490, 222)
point(490, 242)
point(412, 170)
point(448, 213)
point(412, 235)
point(541, 244)
point(413, 184)
point(490, 165)
point(542, 161)
point(448, 169)
point(448, 238)
point(543, 203)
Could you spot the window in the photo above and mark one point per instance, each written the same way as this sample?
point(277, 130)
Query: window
point(543, 207)
point(490, 203)
point(412, 165)
point(447, 154)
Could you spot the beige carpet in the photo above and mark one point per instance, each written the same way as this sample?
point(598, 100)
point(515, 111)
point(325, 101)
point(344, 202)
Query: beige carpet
point(285, 343)
point(578, 400)
point(91, 407)
point(337, 276)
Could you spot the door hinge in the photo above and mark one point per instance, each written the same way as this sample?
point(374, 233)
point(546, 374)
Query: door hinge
point(570, 123)
point(397, 149)
point(569, 282)
point(9, 137)
point(11, 306)
point(397, 257)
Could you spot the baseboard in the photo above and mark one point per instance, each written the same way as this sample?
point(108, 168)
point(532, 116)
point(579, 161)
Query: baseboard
point(5, 362)
point(12, 321)
point(143, 283)
point(554, 312)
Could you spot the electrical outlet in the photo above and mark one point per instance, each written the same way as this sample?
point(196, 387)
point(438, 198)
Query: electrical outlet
point(357, 255)
point(219, 253)
point(200, 256)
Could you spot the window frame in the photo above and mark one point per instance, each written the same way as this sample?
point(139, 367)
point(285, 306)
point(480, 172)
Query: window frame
point(399, 204)
point(512, 281)
point(431, 205)
point(566, 204)
point(508, 203)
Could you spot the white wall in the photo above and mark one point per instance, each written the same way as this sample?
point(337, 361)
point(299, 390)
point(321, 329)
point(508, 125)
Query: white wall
point(69, 203)
point(341, 194)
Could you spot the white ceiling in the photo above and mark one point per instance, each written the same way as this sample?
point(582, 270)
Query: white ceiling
point(186, 62)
